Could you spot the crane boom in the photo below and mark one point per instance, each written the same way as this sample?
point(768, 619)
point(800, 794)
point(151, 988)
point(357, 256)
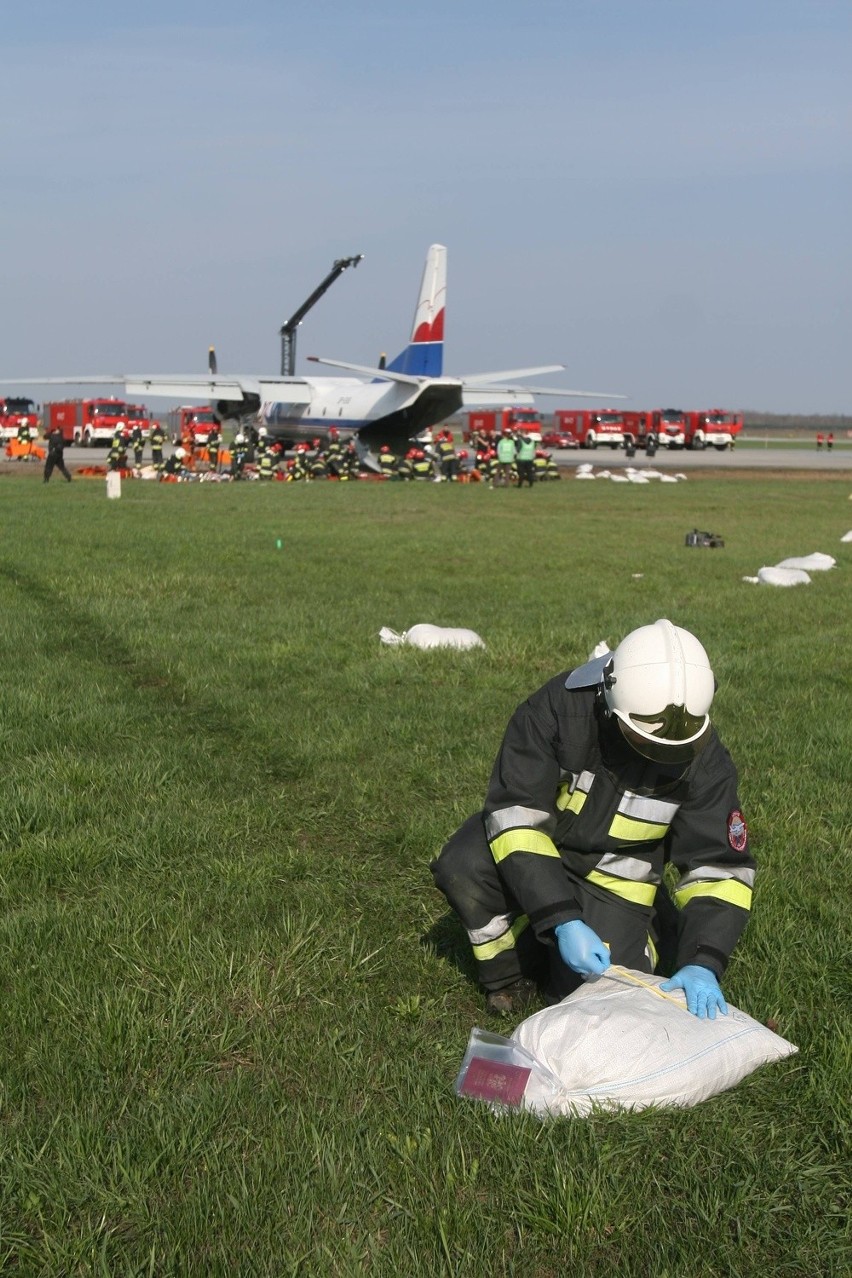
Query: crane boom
point(288, 330)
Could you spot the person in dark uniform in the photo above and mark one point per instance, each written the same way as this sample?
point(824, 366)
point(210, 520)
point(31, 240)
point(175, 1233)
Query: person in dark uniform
point(604, 776)
point(158, 438)
point(214, 440)
point(137, 443)
point(55, 459)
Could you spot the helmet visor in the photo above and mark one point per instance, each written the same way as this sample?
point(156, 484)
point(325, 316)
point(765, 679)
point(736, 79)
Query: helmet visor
point(673, 736)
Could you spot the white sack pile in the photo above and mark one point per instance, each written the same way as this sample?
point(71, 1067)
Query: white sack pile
point(629, 475)
point(794, 571)
point(427, 636)
point(847, 536)
point(617, 1043)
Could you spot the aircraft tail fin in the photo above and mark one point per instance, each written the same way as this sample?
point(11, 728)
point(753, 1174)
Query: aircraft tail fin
point(424, 354)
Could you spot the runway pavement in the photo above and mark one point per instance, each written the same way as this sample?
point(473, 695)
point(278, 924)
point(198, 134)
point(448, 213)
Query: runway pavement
point(746, 456)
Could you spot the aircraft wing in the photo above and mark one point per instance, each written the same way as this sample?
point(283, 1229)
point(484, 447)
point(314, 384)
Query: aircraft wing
point(405, 379)
point(510, 374)
point(174, 386)
point(472, 395)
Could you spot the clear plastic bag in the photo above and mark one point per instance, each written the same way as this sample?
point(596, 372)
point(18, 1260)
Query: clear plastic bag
point(506, 1075)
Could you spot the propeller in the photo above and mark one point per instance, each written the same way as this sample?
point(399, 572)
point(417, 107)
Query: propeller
point(211, 361)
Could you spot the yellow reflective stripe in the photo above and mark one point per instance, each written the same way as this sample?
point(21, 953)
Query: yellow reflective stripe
point(566, 801)
point(524, 840)
point(490, 949)
point(652, 950)
point(638, 893)
point(720, 889)
point(635, 831)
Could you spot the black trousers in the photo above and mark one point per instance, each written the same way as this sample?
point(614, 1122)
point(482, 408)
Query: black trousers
point(526, 471)
point(55, 463)
point(503, 942)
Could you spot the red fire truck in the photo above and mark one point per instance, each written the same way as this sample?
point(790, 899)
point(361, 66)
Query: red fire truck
point(714, 428)
point(668, 426)
point(86, 421)
point(191, 419)
point(493, 421)
point(138, 415)
point(593, 426)
point(16, 411)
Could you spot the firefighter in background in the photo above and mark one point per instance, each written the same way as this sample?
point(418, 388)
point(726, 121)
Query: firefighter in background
point(525, 460)
point(214, 442)
point(317, 462)
point(405, 466)
point(239, 455)
point(262, 445)
point(506, 454)
point(387, 462)
point(25, 439)
point(158, 438)
point(137, 443)
point(445, 451)
point(603, 777)
point(55, 456)
point(117, 455)
point(265, 464)
point(175, 467)
point(540, 464)
point(421, 466)
point(334, 455)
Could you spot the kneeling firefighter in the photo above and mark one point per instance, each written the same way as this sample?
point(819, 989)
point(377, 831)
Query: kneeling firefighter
point(603, 777)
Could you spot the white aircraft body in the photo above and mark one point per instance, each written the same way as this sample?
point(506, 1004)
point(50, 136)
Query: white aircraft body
point(383, 405)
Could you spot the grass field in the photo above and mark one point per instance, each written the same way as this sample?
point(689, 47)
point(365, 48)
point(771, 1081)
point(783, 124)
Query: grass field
point(233, 1004)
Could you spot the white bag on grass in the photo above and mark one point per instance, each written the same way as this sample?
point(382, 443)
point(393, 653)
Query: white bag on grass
point(616, 1043)
point(427, 636)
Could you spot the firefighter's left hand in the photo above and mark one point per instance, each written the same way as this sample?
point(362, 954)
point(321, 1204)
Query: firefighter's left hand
point(703, 992)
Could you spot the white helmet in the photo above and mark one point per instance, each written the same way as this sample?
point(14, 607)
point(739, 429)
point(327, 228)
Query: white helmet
point(660, 690)
point(180, 452)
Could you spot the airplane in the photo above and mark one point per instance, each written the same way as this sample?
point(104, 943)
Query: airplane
point(390, 404)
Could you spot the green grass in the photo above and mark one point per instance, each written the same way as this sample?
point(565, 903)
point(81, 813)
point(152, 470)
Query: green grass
point(233, 1005)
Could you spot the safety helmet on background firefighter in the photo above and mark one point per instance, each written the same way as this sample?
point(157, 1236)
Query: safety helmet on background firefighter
point(660, 688)
point(180, 453)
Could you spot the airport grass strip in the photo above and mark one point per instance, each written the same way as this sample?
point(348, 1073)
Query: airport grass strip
point(233, 1004)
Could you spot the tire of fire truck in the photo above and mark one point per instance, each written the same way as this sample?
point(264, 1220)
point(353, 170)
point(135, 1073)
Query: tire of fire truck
point(698, 443)
point(85, 440)
point(720, 448)
point(651, 445)
point(590, 442)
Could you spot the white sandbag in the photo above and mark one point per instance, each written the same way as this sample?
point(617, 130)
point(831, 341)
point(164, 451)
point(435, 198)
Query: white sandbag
point(783, 577)
point(583, 474)
point(619, 1043)
point(816, 562)
point(847, 536)
point(636, 478)
point(425, 635)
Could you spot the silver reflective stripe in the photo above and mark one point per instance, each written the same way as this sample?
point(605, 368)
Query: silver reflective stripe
point(496, 823)
point(628, 867)
point(704, 873)
point(584, 781)
point(657, 811)
point(494, 928)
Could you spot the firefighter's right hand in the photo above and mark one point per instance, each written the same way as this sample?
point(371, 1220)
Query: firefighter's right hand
point(580, 948)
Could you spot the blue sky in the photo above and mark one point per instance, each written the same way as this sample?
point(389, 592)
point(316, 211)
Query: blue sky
point(657, 193)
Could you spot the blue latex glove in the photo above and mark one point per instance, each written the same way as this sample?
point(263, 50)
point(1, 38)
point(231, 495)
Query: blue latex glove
point(703, 992)
point(580, 948)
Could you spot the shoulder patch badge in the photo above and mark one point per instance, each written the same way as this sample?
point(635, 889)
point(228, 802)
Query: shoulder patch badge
point(737, 830)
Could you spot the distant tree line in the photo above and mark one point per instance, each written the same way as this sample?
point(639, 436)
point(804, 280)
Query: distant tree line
point(796, 421)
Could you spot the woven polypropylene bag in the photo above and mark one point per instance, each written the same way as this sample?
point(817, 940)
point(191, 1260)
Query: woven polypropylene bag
point(619, 1043)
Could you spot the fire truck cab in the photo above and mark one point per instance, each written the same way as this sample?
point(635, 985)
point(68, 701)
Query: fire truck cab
point(491, 422)
point(15, 412)
point(714, 428)
point(592, 426)
point(195, 420)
